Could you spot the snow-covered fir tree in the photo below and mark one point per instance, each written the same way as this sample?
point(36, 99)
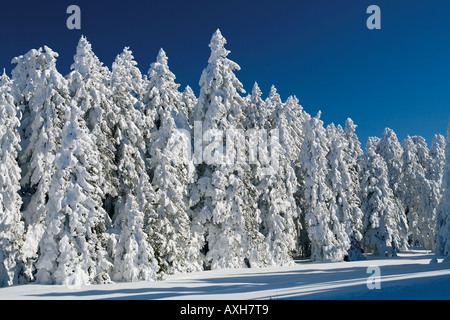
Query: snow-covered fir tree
point(435, 172)
point(41, 93)
point(390, 149)
point(343, 181)
point(435, 167)
point(256, 113)
point(326, 234)
point(130, 246)
point(291, 119)
point(189, 101)
point(72, 249)
point(171, 171)
point(416, 193)
point(383, 218)
point(443, 211)
point(352, 156)
point(11, 226)
point(90, 89)
point(275, 181)
point(221, 194)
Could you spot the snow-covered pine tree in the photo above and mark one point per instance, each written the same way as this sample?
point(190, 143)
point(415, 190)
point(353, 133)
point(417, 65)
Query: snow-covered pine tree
point(11, 226)
point(435, 168)
point(416, 193)
point(256, 113)
point(352, 156)
point(273, 102)
point(72, 249)
point(325, 232)
point(257, 137)
point(443, 212)
point(221, 195)
point(189, 101)
point(90, 89)
point(171, 171)
point(343, 181)
point(381, 233)
point(131, 250)
point(390, 149)
point(291, 119)
point(41, 93)
point(275, 182)
point(435, 172)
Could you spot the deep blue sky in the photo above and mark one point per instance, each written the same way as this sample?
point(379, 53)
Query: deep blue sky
point(319, 50)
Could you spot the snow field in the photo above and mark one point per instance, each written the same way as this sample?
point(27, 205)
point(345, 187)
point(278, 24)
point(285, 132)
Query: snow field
point(407, 276)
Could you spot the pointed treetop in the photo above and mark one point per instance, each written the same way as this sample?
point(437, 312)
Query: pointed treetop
point(188, 91)
point(162, 57)
point(388, 132)
point(83, 46)
point(4, 78)
point(127, 54)
point(85, 58)
point(217, 46)
point(349, 124)
point(160, 70)
point(125, 58)
point(273, 95)
point(256, 91)
point(293, 101)
point(319, 114)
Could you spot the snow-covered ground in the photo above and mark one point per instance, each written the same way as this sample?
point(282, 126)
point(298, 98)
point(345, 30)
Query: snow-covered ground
point(408, 276)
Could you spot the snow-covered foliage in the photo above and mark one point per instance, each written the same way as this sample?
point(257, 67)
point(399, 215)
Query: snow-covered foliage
point(443, 212)
point(41, 94)
point(416, 193)
point(327, 233)
point(90, 88)
point(383, 218)
point(129, 245)
point(11, 226)
point(112, 175)
point(171, 171)
point(72, 249)
point(223, 205)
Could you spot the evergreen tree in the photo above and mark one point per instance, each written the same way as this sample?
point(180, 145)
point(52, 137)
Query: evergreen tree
point(11, 226)
point(291, 119)
point(415, 193)
point(171, 171)
point(390, 149)
point(189, 101)
point(435, 167)
point(352, 156)
point(443, 212)
point(275, 181)
point(344, 185)
point(382, 215)
point(326, 233)
point(90, 89)
point(435, 171)
point(256, 113)
point(222, 193)
point(72, 249)
point(132, 252)
point(41, 93)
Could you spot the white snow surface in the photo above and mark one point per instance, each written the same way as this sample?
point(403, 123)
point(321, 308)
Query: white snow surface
point(410, 275)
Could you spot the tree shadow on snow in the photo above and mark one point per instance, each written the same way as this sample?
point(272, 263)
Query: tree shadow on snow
point(399, 281)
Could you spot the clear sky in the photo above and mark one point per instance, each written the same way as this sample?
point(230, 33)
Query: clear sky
point(319, 50)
